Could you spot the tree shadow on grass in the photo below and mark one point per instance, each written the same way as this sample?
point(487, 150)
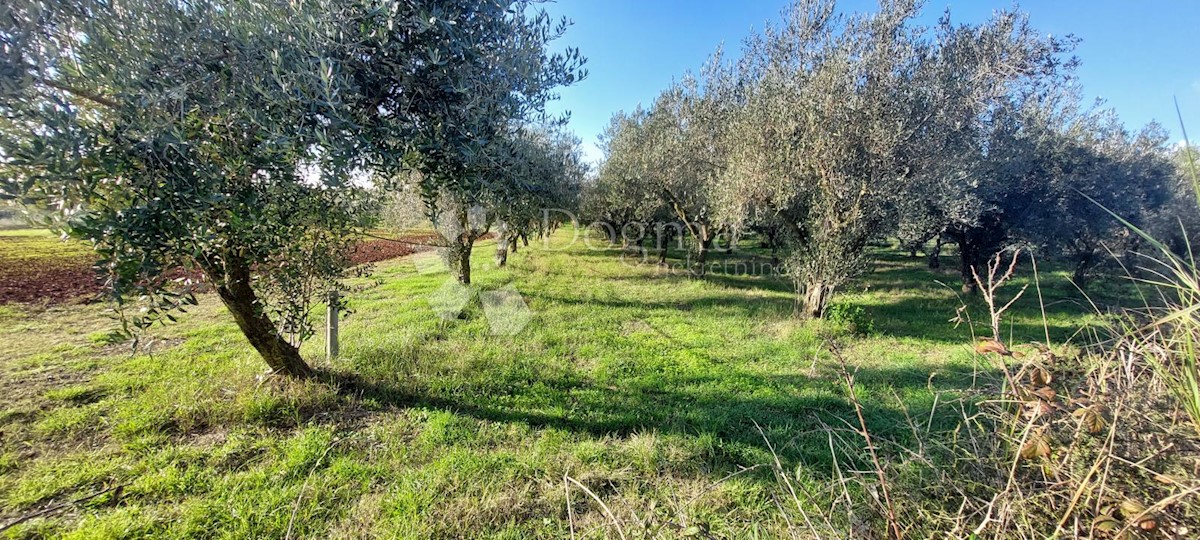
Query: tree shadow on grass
point(905, 317)
point(728, 303)
point(923, 319)
point(794, 412)
point(903, 298)
point(924, 301)
point(753, 282)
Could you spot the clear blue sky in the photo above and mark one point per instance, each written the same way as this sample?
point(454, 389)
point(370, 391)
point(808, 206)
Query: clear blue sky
point(1136, 54)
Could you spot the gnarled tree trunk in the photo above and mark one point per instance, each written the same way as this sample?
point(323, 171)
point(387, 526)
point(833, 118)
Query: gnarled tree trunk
point(459, 224)
point(976, 244)
point(502, 251)
point(664, 237)
point(1083, 264)
point(458, 257)
point(234, 288)
point(814, 299)
point(968, 257)
point(502, 244)
point(703, 245)
point(935, 255)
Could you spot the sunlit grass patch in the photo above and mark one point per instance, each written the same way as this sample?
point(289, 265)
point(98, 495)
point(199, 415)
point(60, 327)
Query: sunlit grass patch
point(27, 246)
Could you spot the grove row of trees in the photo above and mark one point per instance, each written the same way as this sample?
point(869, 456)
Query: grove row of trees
point(834, 130)
point(534, 169)
point(245, 141)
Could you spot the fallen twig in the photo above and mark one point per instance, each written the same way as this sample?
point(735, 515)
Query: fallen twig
point(58, 507)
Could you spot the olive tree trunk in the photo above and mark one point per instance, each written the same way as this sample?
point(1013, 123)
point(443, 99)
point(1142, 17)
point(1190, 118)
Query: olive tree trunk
point(703, 245)
point(663, 238)
point(935, 255)
point(502, 244)
point(502, 251)
point(458, 257)
point(814, 299)
point(976, 244)
point(967, 259)
point(238, 295)
point(1083, 264)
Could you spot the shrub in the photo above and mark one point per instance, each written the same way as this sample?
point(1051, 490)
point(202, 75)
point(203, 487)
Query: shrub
point(852, 317)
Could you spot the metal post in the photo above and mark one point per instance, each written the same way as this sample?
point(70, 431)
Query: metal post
point(331, 327)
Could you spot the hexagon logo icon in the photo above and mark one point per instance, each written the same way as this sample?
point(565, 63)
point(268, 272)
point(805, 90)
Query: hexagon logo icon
point(429, 262)
point(450, 299)
point(477, 218)
point(506, 311)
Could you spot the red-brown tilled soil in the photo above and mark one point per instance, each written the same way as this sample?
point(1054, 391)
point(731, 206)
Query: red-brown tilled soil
point(61, 280)
point(53, 281)
point(375, 249)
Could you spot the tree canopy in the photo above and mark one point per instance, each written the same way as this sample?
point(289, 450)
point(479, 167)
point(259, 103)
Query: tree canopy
point(834, 130)
point(232, 138)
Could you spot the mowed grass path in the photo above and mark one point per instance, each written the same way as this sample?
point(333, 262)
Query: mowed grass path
point(652, 389)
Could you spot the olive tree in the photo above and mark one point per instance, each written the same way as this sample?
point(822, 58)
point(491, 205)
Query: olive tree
point(564, 197)
point(1176, 223)
point(830, 106)
point(489, 73)
point(1051, 174)
point(1100, 169)
point(674, 152)
point(200, 135)
point(230, 137)
point(543, 172)
point(854, 127)
point(685, 153)
point(970, 84)
point(970, 174)
point(519, 176)
point(622, 194)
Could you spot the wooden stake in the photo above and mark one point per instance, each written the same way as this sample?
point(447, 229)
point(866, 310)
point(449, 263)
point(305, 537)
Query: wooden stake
point(331, 327)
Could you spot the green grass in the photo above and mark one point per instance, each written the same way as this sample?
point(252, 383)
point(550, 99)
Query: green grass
point(25, 246)
point(644, 386)
point(25, 231)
